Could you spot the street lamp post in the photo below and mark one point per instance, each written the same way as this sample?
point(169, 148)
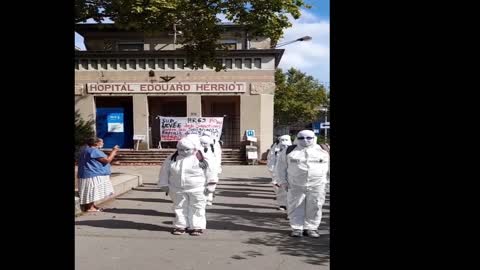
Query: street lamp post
point(305, 38)
point(326, 121)
point(325, 110)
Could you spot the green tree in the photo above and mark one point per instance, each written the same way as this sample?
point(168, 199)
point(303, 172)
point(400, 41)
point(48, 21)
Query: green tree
point(83, 131)
point(298, 98)
point(196, 19)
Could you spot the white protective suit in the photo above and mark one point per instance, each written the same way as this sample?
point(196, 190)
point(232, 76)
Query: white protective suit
point(186, 181)
point(304, 173)
point(207, 145)
point(272, 159)
point(217, 149)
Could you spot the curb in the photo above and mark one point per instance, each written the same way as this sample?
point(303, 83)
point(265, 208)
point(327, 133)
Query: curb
point(121, 182)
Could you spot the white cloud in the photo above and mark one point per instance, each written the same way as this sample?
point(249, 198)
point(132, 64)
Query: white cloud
point(311, 57)
point(79, 42)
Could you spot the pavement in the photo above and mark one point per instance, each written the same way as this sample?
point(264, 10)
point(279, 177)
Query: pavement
point(245, 230)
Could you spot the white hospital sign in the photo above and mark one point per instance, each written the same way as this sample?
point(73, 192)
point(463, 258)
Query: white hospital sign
point(190, 87)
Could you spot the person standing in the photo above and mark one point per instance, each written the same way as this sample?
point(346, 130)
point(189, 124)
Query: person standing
point(302, 170)
point(272, 159)
point(94, 174)
point(184, 176)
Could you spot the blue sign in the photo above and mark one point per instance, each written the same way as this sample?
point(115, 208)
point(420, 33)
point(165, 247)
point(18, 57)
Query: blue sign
point(250, 133)
point(115, 118)
point(115, 122)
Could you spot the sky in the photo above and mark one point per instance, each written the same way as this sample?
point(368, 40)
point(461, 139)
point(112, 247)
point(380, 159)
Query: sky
point(311, 57)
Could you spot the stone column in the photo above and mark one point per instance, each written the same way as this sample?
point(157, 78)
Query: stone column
point(140, 120)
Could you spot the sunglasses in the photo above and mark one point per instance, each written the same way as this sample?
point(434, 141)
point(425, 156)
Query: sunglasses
point(303, 138)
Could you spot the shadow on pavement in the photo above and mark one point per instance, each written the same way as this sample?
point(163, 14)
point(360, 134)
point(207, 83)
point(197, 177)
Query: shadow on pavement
point(220, 183)
point(143, 212)
point(122, 224)
point(255, 180)
point(223, 193)
point(246, 220)
point(314, 250)
point(261, 191)
point(237, 205)
point(231, 226)
point(145, 200)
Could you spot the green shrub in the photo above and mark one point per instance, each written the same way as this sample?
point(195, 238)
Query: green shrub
point(83, 131)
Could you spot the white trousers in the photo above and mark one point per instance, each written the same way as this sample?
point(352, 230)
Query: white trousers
point(305, 206)
point(189, 208)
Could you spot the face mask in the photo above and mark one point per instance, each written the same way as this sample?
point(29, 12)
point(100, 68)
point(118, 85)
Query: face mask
point(305, 140)
point(285, 142)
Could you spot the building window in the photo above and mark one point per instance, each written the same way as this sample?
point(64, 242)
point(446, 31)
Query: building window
point(180, 63)
point(161, 64)
point(103, 64)
point(258, 63)
point(248, 63)
point(84, 64)
point(94, 64)
point(130, 47)
point(228, 63)
point(132, 63)
point(123, 64)
point(113, 63)
point(142, 63)
point(238, 63)
point(171, 63)
point(230, 44)
point(151, 63)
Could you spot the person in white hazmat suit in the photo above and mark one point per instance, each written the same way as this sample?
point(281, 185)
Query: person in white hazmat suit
point(217, 149)
point(184, 176)
point(281, 194)
point(302, 171)
point(208, 149)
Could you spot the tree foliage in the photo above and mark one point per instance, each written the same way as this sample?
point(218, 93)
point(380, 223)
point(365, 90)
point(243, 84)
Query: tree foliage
point(196, 19)
point(298, 98)
point(83, 131)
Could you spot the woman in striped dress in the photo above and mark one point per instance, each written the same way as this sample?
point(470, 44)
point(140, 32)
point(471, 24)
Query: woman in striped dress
point(94, 174)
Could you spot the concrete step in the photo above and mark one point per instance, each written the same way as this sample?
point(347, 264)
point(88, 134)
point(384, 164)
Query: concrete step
point(159, 163)
point(157, 156)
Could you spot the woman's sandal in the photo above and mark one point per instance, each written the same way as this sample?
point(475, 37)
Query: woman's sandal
point(196, 232)
point(178, 231)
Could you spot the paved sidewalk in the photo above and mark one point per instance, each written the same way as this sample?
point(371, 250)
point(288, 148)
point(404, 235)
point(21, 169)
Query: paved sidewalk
point(244, 230)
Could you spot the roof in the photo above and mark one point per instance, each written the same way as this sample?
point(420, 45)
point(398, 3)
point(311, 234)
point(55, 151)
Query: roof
point(83, 28)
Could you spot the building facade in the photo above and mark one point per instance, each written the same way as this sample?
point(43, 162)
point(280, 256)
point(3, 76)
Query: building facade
point(139, 77)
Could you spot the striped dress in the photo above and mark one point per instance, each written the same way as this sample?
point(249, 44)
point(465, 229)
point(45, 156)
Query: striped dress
point(94, 188)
